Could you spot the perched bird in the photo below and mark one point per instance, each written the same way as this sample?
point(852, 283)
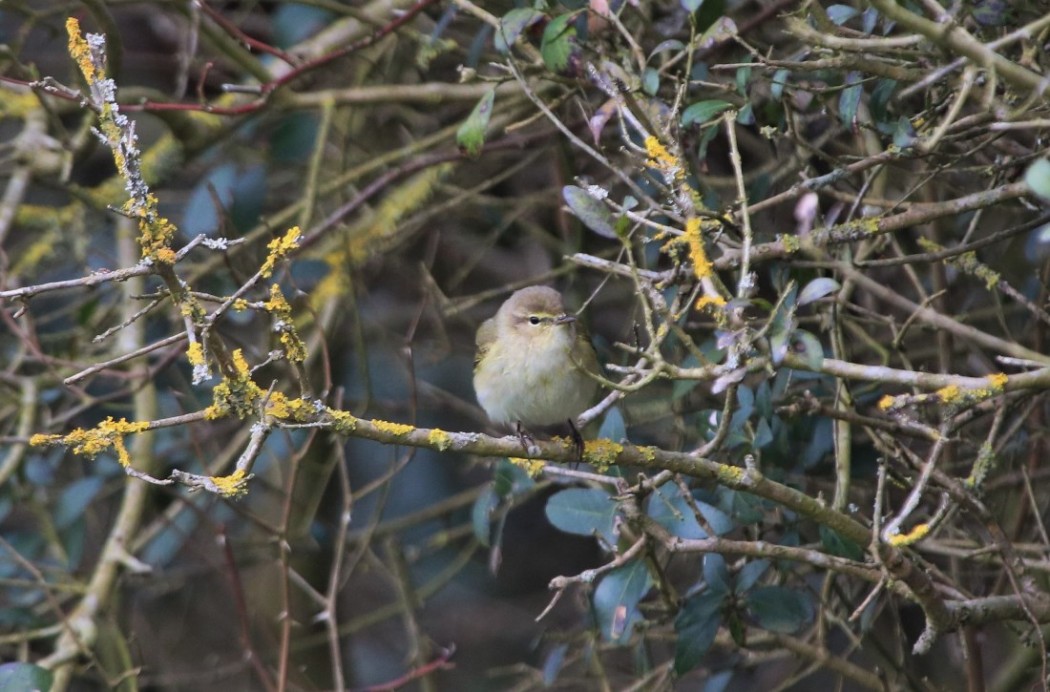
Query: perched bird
point(532, 363)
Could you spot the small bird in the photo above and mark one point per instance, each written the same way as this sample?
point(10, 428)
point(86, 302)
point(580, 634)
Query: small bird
point(532, 362)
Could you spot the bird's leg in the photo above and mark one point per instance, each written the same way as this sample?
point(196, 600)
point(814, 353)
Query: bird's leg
point(577, 441)
point(523, 435)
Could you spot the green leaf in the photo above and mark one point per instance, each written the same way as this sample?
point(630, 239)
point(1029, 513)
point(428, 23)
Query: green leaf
point(471, 134)
point(840, 14)
point(557, 44)
point(763, 434)
point(817, 289)
point(671, 510)
point(1038, 178)
point(780, 609)
point(651, 81)
point(749, 575)
point(723, 29)
point(590, 211)
point(720, 522)
point(691, 5)
point(716, 575)
point(696, 625)
point(703, 111)
point(75, 499)
point(584, 512)
point(511, 479)
point(743, 76)
point(616, 600)
point(808, 346)
point(613, 426)
point(779, 81)
point(481, 514)
point(511, 25)
point(25, 676)
point(849, 99)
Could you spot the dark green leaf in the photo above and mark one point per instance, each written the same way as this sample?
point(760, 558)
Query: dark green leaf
point(591, 212)
point(880, 99)
point(743, 77)
point(616, 600)
point(553, 663)
point(780, 609)
point(703, 111)
point(817, 289)
point(716, 576)
point(904, 136)
point(849, 99)
point(671, 510)
point(763, 434)
point(837, 545)
point(511, 25)
point(720, 522)
point(511, 479)
point(1038, 178)
point(749, 575)
point(696, 625)
point(584, 512)
point(471, 134)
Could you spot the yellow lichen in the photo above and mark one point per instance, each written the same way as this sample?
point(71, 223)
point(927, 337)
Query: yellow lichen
point(659, 156)
point(533, 467)
point(730, 474)
point(998, 381)
point(40, 440)
point(195, 353)
point(79, 51)
point(279, 248)
point(233, 485)
point(396, 429)
point(440, 439)
point(697, 254)
point(916, 534)
point(712, 303)
point(240, 364)
point(886, 402)
point(950, 394)
point(790, 243)
point(344, 421)
point(91, 442)
point(602, 453)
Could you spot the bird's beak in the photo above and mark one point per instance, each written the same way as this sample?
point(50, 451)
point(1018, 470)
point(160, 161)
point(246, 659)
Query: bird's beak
point(564, 319)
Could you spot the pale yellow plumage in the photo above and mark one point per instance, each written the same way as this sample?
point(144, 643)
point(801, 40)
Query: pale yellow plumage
point(530, 362)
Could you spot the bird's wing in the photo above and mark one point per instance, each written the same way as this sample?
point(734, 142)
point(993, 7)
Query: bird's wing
point(486, 335)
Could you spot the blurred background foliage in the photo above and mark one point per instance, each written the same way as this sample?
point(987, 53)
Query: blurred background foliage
point(871, 184)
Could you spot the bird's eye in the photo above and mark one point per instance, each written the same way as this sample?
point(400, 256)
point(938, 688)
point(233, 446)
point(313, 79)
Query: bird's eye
point(534, 319)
